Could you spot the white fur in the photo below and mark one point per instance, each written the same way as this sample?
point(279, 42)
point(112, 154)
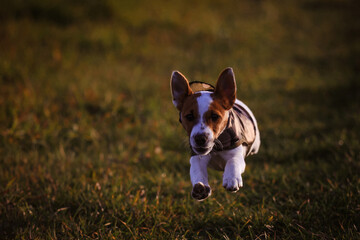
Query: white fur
point(175, 103)
point(198, 169)
point(235, 166)
point(204, 101)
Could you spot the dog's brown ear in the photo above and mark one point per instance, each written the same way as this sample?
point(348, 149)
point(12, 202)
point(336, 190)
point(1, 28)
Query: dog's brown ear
point(180, 89)
point(225, 90)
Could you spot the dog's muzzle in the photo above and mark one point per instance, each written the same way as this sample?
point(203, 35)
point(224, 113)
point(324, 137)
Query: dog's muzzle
point(202, 144)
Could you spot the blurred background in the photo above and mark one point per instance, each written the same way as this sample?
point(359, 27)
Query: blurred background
point(90, 142)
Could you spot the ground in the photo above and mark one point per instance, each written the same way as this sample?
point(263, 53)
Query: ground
point(90, 143)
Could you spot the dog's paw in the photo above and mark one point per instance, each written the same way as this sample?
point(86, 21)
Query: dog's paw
point(232, 184)
point(200, 191)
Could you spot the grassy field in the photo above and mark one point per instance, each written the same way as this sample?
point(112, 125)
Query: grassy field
point(91, 147)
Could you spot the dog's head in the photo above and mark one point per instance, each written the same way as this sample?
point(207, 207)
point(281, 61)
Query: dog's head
point(204, 114)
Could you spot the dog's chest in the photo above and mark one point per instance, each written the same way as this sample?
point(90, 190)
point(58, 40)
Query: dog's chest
point(217, 162)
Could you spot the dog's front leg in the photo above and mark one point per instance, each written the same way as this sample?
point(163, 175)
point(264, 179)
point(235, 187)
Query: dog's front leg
point(199, 177)
point(235, 166)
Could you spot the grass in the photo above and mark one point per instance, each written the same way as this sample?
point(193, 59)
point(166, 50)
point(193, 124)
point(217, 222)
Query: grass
point(91, 148)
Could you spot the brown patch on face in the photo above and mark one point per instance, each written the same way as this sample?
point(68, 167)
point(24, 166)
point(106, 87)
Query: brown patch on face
point(216, 117)
point(190, 112)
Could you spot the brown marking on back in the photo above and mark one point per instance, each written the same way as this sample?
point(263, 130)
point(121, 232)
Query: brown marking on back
point(190, 106)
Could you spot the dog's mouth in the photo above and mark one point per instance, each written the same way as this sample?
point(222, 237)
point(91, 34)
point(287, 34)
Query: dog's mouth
point(202, 150)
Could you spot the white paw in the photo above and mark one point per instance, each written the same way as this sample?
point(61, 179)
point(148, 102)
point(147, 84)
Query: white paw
point(232, 184)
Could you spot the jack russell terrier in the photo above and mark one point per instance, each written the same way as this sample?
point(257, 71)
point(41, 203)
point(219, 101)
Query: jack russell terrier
point(221, 128)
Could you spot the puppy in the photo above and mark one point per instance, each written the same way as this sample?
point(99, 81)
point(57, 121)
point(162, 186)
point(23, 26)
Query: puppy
point(222, 130)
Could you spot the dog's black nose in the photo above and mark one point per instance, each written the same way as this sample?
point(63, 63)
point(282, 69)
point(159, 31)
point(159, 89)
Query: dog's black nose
point(200, 139)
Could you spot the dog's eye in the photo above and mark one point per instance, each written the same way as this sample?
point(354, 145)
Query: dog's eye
point(214, 117)
point(190, 117)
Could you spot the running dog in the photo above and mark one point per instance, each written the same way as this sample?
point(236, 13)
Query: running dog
point(222, 130)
